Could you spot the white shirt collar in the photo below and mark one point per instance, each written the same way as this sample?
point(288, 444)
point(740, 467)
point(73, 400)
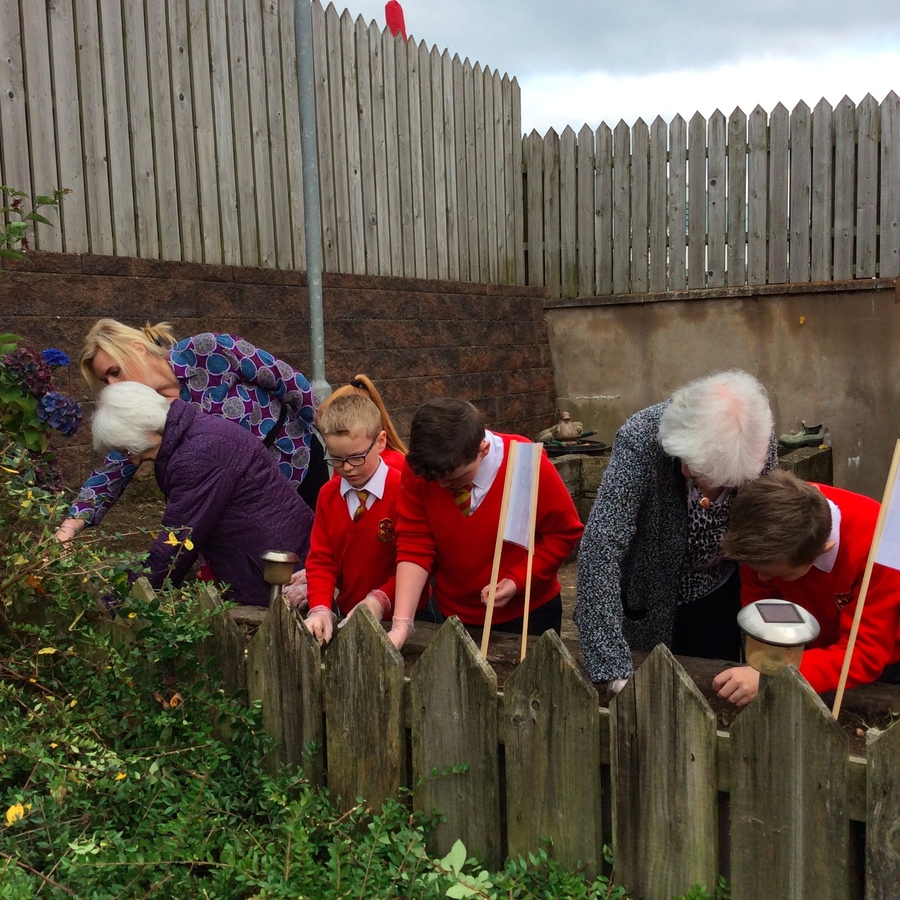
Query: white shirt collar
point(375, 486)
point(826, 561)
point(488, 467)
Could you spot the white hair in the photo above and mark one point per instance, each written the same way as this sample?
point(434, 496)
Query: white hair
point(720, 427)
point(128, 416)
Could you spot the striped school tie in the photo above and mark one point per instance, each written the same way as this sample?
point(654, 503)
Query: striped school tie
point(361, 509)
point(463, 497)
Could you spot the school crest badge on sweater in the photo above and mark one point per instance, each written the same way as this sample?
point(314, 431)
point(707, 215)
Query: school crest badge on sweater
point(386, 531)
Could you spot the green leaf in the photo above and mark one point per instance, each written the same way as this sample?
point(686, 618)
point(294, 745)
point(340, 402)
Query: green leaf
point(456, 858)
point(37, 217)
point(460, 891)
point(13, 254)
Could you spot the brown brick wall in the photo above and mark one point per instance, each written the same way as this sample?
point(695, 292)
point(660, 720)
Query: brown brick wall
point(415, 339)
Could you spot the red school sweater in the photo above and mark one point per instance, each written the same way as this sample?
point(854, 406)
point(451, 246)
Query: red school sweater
point(434, 534)
point(831, 597)
point(354, 557)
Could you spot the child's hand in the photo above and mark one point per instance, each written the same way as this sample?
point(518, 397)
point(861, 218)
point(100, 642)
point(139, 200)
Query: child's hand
point(739, 685)
point(378, 602)
point(506, 590)
point(401, 629)
point(295, 592)
point(320, 623)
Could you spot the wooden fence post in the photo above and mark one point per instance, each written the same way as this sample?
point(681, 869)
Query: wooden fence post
point(664, 776)
point(883, 816)
point(283, 670)
point(550, 721)
point(364, 713)
point(789, 783)
point(454, 722)
point(226, 643)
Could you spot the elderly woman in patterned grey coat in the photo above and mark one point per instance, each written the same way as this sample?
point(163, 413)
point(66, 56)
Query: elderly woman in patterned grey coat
point(650, 569)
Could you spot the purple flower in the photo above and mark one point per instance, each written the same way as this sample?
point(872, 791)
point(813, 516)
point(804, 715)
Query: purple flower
point(54, 357)
point(30, 371)
point(61, 412)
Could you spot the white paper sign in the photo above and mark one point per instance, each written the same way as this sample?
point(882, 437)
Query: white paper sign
point(888, 551)
point(525, 462)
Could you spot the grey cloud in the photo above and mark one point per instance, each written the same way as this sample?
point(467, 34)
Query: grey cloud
point(526, 37)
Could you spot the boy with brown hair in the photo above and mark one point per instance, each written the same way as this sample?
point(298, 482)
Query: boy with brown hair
point(353, 542)
point(449, 517)
point(809, 543)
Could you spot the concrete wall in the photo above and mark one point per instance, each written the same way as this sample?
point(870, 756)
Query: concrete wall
point(827, 353)
point(416, 339)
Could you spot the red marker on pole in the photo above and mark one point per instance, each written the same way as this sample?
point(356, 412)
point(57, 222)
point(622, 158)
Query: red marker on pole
point(393, 16)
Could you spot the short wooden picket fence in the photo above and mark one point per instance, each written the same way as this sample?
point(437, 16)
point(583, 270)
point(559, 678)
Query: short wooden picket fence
point(772, 803)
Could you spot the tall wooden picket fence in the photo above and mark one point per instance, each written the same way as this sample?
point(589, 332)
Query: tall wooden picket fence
point(535, 757)
point(175, 124)
point(759, 199)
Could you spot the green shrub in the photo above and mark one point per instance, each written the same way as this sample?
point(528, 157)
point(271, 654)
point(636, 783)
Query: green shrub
point(116, 780)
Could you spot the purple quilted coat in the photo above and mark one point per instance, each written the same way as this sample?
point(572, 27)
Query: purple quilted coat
point(224, 492)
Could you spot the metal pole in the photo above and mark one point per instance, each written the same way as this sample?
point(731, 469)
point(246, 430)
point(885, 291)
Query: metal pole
point(311, 204)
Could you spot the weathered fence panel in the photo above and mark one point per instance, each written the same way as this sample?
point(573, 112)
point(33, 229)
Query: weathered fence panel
point(550, 726)
point(697, 213)
point(509, 770)
point(175, 123)
point(789, 789)
point(284, 671)
point(822, 198)
point(640, 190)
point(677, 209)
point(770, 199)
point(665, 825)
point(801, 183)
point(363, 688)
point(569, 213)
point(454, 723)
point(883, 817)
point(658, 220)
point(889, 219)
point(423, 171)
point(736, 235)
point(716, 181)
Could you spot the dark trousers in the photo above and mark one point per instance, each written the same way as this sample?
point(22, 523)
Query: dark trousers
point(891, 674)
point(317, 474)
point(708, 628)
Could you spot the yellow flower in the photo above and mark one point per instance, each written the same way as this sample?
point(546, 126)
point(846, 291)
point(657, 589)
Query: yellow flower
point(73, 703)
point(16, 812)
point(54, 745)
point(132, 615)
point(45, 650)
point(188, 544)
point(171, 539)
point(120, 776)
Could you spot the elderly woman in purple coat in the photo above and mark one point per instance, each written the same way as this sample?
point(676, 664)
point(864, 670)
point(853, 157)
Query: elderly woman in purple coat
point(225, 497)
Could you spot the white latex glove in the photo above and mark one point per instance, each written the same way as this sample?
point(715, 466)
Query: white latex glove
point(378, 602)
point(320, 623)
point(615, 686)
point(295, 592)
point(401, 629)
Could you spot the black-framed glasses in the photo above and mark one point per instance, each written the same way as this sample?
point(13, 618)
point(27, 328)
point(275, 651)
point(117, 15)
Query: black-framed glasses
point(354, 461)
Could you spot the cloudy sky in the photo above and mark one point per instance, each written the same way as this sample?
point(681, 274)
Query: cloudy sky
point(598, 61)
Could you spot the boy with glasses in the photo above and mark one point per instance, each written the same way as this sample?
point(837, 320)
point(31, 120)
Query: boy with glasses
point(353, 543)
